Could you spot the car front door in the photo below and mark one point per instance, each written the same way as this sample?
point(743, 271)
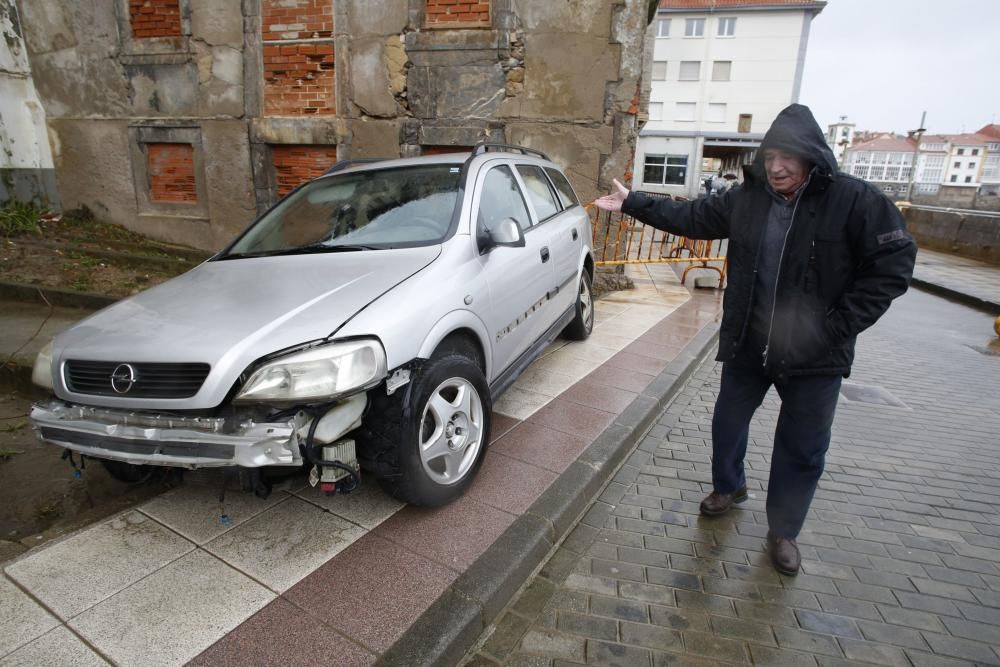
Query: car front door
point(521, 280)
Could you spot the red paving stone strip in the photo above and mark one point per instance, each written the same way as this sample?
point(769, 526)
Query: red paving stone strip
point(283, 634)
point(421, 586)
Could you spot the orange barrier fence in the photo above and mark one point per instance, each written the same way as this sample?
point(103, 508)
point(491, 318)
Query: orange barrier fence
point(621, 239)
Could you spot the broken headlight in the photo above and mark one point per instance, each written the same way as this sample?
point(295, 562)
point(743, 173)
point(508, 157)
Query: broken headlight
point(320, 373)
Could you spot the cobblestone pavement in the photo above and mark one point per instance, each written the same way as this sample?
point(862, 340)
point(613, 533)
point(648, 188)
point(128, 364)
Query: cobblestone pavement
point(901, 551)
point(959, 274)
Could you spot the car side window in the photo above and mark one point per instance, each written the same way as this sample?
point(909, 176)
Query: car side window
point(567, 197)
point(539, 191)
point(501, 199)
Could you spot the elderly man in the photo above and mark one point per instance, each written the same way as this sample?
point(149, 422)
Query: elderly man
point(815, 258)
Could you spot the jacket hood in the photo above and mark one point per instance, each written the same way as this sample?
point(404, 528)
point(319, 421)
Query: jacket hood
point(796, 131)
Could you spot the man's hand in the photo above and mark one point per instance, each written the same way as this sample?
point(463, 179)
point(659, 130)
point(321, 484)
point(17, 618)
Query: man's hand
point(613, 201)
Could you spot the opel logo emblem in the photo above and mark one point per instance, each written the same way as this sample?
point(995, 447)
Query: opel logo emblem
point(123, 378)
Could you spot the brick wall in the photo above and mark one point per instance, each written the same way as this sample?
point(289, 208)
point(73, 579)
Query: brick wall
point(448, 13)
point(296, 163)
point(155, 18)
point(298, 57)
point(171, 173)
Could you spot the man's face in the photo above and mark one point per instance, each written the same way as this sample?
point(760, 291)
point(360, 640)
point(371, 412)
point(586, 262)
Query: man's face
point(785, 172)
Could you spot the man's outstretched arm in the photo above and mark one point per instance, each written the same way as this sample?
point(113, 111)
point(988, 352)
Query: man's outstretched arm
point(706, 218)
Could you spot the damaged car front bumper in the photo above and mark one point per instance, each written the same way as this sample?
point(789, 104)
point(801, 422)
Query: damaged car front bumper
point(162, 439)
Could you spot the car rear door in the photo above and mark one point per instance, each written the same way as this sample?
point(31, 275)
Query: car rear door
point(559, 233)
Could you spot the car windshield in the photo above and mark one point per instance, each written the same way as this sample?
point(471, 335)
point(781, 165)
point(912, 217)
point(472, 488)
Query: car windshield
point(369, 210)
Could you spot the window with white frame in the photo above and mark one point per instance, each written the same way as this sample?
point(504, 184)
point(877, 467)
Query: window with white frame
point(968, 179)
point(933, 169)
point(972, 165)
point(716, 113)
point(993, 147)
point(975, 151)
point(961, 151)
point(656, 111)
point(694, 27)
point(957, 165)
point(928, 188)
point(664, 169)
point(690, 70)
point(877, 172)
point(727, 26)
point(861, 171)
point(721, 70)
point(685, 111)
point(659, 70)
point(862, 157)
point(954, 178)
point(932, 147)
point(991, 167)
point(663, 27)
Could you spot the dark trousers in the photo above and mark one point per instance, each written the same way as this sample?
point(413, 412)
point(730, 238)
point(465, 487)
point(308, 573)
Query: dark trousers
point(801, 438)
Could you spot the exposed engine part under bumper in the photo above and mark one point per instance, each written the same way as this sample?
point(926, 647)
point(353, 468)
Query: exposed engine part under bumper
point(187, 442)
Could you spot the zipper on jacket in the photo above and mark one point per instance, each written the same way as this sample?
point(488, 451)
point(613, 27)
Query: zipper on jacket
point(781, 258)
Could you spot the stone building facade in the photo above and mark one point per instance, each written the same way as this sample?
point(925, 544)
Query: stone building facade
point(184, 119)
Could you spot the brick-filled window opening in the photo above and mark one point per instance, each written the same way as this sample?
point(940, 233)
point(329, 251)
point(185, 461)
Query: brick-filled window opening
point(298, 57)
point(171, 173)
point(295, 164)
point(155, 18)
point(457, 13)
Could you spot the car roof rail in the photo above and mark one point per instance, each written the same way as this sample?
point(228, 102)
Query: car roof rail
point(346, 164)
point(486, 147)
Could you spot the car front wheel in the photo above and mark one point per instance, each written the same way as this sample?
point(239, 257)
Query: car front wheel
point(583, 319)
point(445, 432)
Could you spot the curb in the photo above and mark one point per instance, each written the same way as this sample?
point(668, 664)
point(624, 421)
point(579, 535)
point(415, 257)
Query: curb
point(54, 295)
point(988, 307)
point(444, 633)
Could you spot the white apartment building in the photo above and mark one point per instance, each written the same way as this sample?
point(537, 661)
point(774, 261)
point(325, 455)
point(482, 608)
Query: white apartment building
point(721, 70)
point(886, 161)
point(969, 162)
point(990, 179)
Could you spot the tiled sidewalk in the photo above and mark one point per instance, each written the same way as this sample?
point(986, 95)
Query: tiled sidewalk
point(960, 276)
point(901, 550)
point(306, 579)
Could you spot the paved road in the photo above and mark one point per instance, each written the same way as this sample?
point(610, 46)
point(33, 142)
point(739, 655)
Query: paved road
point(901, 550)
point(959, 274)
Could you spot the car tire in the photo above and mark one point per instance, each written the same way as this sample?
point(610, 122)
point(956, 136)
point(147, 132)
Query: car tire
point(128, 473)
point(583, 318)
point(444, 433)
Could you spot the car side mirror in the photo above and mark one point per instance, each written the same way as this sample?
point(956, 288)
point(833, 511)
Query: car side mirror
point(506, 233)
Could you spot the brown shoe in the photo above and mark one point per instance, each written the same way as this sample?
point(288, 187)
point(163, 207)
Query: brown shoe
point(784, 554)
point(717, 503)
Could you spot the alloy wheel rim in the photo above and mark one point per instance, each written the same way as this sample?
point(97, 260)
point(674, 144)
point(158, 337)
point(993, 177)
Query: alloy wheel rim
point(451, 431)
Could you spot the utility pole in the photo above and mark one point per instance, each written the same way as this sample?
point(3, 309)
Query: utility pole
point(919, 134)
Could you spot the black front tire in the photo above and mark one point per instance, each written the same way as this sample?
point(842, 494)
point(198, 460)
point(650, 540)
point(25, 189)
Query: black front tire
point(127, 472)
point(583, 319)
point(446, 403)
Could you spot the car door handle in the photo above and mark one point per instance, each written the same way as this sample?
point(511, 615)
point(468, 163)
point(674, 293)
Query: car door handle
point(545, 255)
point(574, 234)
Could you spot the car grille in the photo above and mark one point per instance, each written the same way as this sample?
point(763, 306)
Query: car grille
point(135, 380)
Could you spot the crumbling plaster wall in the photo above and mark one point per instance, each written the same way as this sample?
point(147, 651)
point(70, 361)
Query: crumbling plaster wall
point(557, 75)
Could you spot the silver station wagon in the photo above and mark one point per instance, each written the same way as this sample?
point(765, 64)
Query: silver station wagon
point(366, 322)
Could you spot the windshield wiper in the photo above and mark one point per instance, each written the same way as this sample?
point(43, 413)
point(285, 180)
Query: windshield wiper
point(314, 248)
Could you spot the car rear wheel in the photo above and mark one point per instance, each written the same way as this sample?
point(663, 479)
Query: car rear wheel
point(445, 432)
point(583, 320)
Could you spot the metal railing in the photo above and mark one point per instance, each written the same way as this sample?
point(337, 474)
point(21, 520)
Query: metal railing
point(620, 239)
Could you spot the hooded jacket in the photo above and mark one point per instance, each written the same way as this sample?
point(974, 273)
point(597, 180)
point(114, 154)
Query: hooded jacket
point(846, 256)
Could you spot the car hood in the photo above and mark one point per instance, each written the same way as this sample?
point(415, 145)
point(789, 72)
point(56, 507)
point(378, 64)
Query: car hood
point(230, 313)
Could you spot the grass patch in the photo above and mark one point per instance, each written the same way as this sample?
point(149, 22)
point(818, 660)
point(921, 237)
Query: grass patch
point(17, 218)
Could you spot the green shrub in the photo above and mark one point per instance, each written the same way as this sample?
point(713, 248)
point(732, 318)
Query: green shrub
point(19, 218)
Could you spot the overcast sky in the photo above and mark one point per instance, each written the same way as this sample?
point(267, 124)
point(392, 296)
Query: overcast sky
point(882, 62)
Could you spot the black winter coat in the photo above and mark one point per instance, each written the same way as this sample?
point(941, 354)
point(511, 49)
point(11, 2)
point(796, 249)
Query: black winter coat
point(846, 257)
